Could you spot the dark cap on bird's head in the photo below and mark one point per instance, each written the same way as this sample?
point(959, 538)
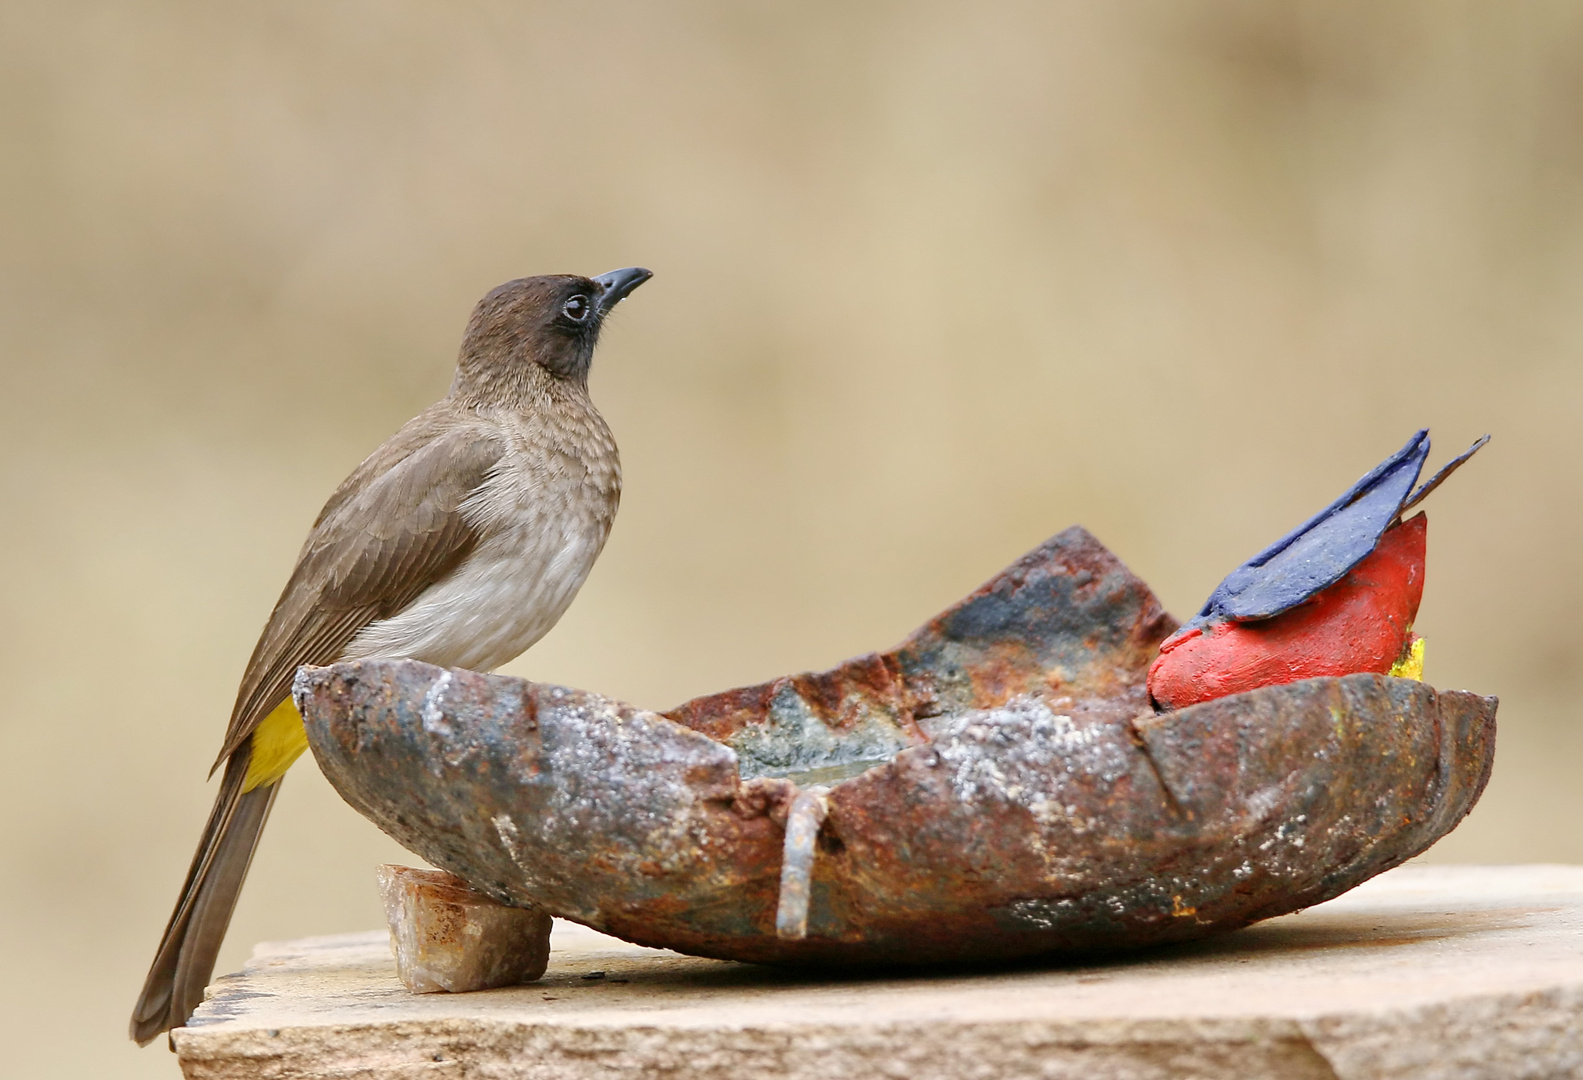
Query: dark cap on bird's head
point(549, 323)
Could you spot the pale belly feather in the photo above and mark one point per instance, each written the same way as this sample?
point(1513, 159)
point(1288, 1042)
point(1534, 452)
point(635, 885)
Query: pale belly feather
point(541, 537)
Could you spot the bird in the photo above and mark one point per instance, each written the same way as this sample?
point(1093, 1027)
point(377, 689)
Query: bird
point(460, 542)
point(1335, 596)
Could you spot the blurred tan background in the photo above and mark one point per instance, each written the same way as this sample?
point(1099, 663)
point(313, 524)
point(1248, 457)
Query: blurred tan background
point(933, 281)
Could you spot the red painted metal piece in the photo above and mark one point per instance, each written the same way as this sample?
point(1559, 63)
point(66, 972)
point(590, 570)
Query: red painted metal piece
point(1360, 624)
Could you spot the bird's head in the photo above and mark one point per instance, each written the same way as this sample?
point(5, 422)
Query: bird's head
point(537, 327)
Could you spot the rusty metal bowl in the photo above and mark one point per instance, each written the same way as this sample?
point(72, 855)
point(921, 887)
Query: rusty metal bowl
point(997, 786)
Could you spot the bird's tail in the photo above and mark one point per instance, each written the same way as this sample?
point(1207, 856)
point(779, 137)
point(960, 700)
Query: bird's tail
point(187, 952)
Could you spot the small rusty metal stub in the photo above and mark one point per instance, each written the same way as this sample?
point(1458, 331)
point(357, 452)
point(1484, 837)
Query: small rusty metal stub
point(803, 822)
point(996, 786)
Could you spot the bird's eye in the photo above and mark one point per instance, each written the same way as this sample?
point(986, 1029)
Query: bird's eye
point(577, 308)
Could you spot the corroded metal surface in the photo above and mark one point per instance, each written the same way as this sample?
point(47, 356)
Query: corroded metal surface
point(997, 786)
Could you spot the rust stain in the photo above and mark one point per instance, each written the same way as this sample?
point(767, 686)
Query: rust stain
point(997, 785)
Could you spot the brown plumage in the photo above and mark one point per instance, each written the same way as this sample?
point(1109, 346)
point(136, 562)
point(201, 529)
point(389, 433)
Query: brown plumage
point(460, 541)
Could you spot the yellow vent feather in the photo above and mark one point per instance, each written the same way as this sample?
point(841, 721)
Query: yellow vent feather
point(277, 742)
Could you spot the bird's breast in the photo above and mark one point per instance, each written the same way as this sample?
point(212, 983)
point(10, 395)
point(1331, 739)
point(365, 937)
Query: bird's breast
point(541, 518)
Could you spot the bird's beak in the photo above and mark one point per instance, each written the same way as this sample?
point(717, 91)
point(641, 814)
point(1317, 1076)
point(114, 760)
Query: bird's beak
point(615, 285)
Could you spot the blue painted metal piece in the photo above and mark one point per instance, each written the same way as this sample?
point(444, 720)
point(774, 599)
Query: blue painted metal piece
point(1319, 552)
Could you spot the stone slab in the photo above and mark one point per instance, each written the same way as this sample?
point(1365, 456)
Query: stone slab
point(1424, 972)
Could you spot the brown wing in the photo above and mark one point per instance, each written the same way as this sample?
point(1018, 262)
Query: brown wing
point(389, 532)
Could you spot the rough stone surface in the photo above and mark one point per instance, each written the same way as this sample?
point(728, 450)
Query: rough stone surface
point(448, 938)
point(1429, 973)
